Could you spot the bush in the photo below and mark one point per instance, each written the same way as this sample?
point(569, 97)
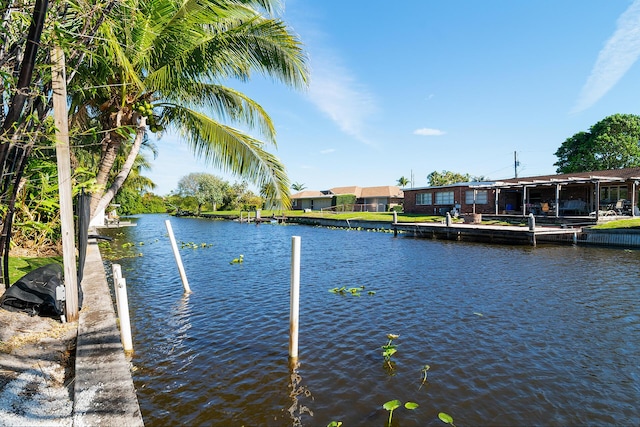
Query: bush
point(343, 199)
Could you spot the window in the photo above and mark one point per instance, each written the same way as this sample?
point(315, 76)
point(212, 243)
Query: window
point(424, 199)
point(444, 198)
point(613, 193)
point(482, 197)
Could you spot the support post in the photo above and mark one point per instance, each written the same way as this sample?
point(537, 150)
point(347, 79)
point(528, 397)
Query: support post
point(122, 304)
point(597, 197)
point(633, 198)
point(63, 157)
point(532, 222)
point(395, 217)
point(294, 313)
point(176, 254)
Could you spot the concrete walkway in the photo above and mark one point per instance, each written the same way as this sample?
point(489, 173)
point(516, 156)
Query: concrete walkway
point(104, 391)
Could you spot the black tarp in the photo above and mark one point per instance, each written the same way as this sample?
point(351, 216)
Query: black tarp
point(35, 292)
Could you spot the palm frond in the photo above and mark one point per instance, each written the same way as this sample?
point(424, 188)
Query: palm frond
point(231, 150)
point(226, 104)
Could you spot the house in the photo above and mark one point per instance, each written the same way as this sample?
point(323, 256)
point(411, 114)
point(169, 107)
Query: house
point(596, 193)
point(351, 198)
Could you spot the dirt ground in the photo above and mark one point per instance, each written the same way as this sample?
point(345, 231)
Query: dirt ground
point(37, 357)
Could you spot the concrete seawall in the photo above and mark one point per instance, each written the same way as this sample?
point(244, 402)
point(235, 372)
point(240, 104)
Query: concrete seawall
point(618, 238)
point(104, 390)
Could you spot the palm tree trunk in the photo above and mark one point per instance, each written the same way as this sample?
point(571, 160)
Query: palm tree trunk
point(107, 160)
point(108, 195)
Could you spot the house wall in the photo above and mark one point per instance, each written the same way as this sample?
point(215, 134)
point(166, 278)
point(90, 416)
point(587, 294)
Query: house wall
point(313, 204)
point(458, 199)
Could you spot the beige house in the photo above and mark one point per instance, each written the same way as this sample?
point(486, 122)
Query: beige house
point(351, 198)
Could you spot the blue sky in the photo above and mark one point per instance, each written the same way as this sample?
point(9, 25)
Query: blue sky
point(428, 85)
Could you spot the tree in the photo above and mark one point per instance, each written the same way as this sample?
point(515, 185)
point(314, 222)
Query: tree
point(403, 181)
point(298, 186)
point(436, 178)
point(612, 143)
point(163, 61)
point(204, 188)
point(25, 84)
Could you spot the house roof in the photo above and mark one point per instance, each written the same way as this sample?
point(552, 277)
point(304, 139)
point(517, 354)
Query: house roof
point(359, 192)
point(609, 175)
point(311, 194)
point(353, 189)
point(383, 191)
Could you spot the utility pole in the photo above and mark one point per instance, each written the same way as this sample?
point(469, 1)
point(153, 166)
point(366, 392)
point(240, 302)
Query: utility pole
point(59, 86)
point(516, 163)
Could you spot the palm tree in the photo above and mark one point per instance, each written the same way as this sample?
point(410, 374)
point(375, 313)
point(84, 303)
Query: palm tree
point(163, 62)
point(403, 181)
point(298, 186)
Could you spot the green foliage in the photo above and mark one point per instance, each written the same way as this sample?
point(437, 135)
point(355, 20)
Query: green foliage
point(343, 200)
point(437, 179)
point(392, 405)
point(19, 266)
point(350, 291)
point(297, 186)
point(612, 143)
point(389, 350)
point(446, 418)
point(621, 223)
point(403, 181)
point(161, 63)
point(424, 371)
point(203, 188)
point(238, 197)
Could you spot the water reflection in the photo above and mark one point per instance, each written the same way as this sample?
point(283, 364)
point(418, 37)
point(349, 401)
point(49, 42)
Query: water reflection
point(296, 393)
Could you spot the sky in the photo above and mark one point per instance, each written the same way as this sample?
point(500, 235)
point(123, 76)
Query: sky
point(430, 85)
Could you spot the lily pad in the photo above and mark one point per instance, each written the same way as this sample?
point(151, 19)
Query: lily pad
point(392, 405)
point(411, 405)
point(445, 418)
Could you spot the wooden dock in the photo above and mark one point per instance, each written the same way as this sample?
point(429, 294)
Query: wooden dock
point(489, 233)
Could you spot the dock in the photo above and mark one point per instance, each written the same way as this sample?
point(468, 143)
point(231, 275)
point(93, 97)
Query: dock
point(489, 233)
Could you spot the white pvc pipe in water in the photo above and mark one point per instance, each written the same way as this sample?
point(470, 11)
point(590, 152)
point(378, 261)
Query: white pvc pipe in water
point(295, 297)
point(176, 254)
point(122, 304)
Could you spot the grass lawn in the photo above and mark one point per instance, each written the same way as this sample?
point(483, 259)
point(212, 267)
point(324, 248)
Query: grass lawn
point(366, 216)
point(621, 223)
point(19, 266)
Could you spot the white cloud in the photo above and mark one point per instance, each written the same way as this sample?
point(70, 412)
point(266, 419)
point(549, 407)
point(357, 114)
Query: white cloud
point(337, 94)
point(328, 151)
point(428, 132)
point(618, 55)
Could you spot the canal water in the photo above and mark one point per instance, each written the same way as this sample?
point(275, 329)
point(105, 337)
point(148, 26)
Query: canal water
point(512, 335)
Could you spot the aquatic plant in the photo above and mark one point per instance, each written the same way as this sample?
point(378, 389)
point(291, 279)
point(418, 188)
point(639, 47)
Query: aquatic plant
point(352, 291)
point(389, 349)
point(446, 418)
point(238, 260)
point(193, 245)
point(392, 405)
point(424, 374)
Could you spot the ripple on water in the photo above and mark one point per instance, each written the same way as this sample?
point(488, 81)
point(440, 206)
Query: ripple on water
point(513, 335)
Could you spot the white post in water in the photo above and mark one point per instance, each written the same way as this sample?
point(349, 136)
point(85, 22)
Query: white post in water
point(122, 304)
point(176, 254)
point(295, 297)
